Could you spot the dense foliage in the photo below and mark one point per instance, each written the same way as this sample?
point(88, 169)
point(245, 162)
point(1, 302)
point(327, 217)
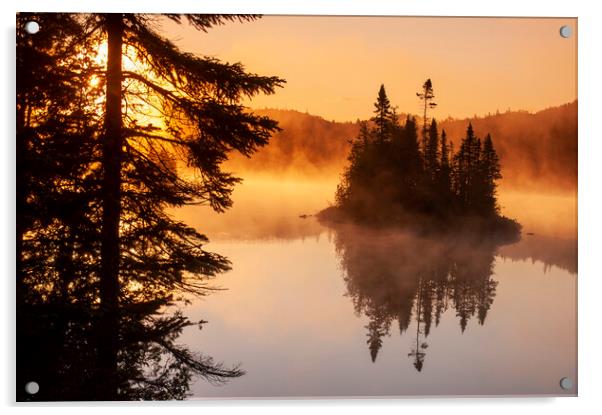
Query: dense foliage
point(104, 149)
point(395, 177)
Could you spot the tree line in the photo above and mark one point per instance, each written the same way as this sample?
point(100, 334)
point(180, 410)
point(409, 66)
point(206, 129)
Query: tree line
point(402, 173)
point(100, 151)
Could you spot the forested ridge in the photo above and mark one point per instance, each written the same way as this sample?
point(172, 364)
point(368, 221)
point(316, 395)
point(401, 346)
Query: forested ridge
point(531, 146)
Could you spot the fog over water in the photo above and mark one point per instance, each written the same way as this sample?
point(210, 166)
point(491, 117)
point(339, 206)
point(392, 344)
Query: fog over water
point(311, 310)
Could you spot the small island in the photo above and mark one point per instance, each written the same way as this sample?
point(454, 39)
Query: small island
point(395, 179)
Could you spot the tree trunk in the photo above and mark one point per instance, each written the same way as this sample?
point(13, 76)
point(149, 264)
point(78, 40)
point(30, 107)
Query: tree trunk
point(111, 201)
point(22, 357)
point(21, 147)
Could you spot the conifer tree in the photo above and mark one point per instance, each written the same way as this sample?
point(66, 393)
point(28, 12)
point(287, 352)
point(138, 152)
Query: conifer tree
point(444, 171)
point(56, 127)
point(431, 154)
point(198, 99)
point(491, 173)
point(411, 164)
point(467, 162)
point(426, 95)
point(117, 255)
point(383, 115)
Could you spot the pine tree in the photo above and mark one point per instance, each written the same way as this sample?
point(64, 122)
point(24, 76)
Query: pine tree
point(426, 95)
point(198, 99)
point(444, 177)
point(383, 116)
point(54, 156)
point(466, 166)
point(412, 166)
point(431, 154)
point(104, 241)
point(373, 163)
point(50, 110)
point(491, 173)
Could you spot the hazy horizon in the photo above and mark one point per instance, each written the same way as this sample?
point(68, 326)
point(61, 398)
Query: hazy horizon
point(334, 65)
point(416, 114)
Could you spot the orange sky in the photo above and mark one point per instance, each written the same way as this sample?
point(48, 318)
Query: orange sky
point(335, 65)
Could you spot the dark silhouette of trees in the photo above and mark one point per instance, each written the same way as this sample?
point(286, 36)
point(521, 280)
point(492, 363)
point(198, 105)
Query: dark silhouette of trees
point(197, 98)
point(57, 231)
point(426, 95)
point(385, 167)
point(444, 164)
point(103, 152)
point(391, 180)
point(431, 151)
point(409, 164)
point(531, 146)
point(443, 176)
point(384, 116)
point(476, 169)
point(405, 276)
point(491, 173)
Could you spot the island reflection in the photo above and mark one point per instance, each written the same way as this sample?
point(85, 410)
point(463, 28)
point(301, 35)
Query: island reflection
point(395, 278)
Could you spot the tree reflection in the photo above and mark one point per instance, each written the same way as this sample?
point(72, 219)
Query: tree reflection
point(396, 276)
point(58, 348)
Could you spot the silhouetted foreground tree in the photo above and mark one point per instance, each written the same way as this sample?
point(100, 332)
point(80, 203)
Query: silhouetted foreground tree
point(392, 179)
point(57, 236)
point(103, 152)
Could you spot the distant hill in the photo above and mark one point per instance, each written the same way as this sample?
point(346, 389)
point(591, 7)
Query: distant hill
point(536, 149)
point(307, 144)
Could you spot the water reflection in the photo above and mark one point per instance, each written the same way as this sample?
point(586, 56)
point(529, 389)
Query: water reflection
point(58, 343)
point(443, 296)
point(266, 209)
point(395, 277)
point(551, 251)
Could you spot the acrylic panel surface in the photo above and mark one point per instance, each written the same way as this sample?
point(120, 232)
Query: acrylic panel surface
point(406, 222)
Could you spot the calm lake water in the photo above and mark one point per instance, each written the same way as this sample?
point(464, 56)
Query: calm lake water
point(309, 310)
